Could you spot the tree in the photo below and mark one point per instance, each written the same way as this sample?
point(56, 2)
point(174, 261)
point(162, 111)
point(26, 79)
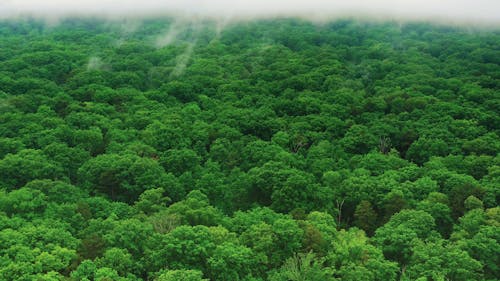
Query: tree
point(24, 202)
point(438, 261)
point(484, 247)
point(27, 165)
point(298, 191)
point(181, 275)
point(275, 241)
point(302, 267)
point(473, 202)
point(129, 234)
point(117, 259)
point(184, 247)
point(232, 262)
point(397, 237)
point(195, 210)
point(437, 206)
point(325, 224)
point(352, 258)
point(10, 145)
point(165, 136)
point(152, 200)
point(57, 191)
point(365, 217)
point(359, 140)
point(85, 271)
point(393, 203)
point(123, 177)
point(180, 161)
point(422, 149)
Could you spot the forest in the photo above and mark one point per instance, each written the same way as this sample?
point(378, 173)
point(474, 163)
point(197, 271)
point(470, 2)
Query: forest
point(282, 149)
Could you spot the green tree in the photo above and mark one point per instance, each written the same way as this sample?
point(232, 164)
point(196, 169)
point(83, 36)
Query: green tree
point(232, 262)
point(181, 275)
point(397, 237)
point(438, 261)
point(302, 267)
point(365, 217)
point(352, 258)
point(27, 165)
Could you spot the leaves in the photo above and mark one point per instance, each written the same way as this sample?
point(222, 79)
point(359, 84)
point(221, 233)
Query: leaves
point(254, 154)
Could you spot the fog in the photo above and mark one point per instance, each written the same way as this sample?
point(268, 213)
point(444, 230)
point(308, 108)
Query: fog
point(182, 61)
point(468, 11)
point(168, 37)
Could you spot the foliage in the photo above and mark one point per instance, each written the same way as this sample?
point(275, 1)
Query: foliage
point(261, 150)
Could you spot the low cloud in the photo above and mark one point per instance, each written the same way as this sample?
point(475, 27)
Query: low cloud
point(475, 11)
point(95, 63)
point(182, 61)
point(169, 37)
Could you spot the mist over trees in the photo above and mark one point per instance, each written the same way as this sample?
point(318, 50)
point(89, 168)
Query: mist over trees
point(276, 149)
point(483, 12)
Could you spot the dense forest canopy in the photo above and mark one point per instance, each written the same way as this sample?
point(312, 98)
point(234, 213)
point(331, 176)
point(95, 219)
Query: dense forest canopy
point(272, 150)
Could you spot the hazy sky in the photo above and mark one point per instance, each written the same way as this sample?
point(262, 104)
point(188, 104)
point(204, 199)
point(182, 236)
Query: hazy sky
point(478, 11)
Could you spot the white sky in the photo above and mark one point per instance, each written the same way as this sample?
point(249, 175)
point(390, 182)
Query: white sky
point(477, 11)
